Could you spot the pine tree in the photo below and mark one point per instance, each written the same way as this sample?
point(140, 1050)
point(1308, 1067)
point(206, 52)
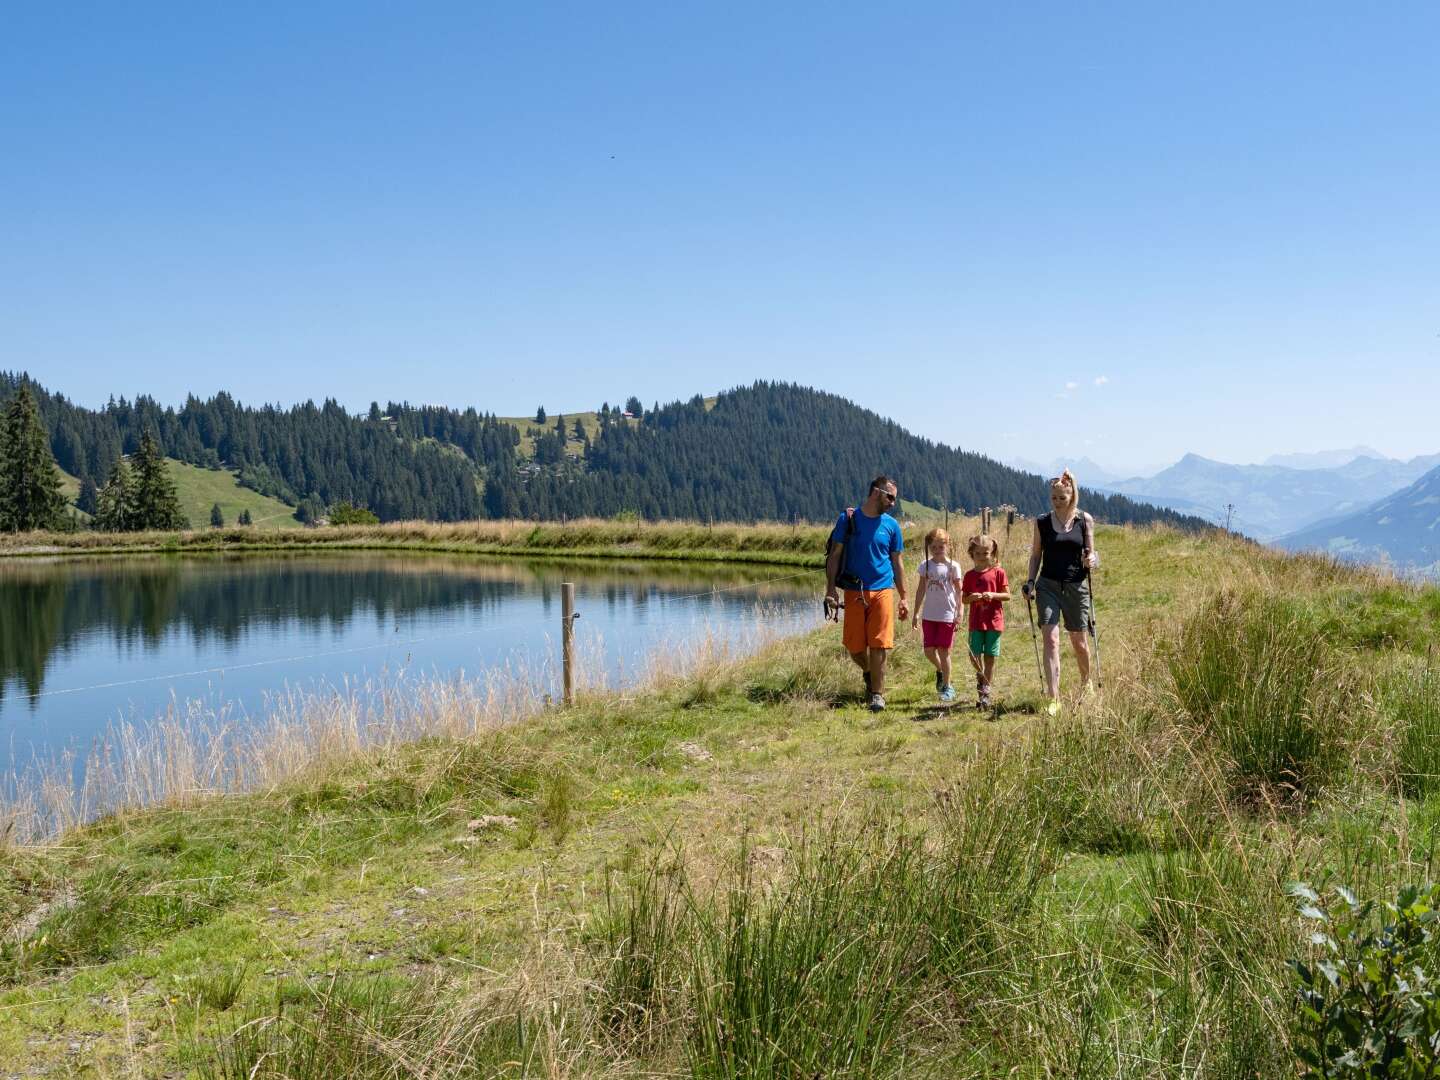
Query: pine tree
point(245, 518)
point(115, 505)
point(540, 415)
point(89, 498)
point(217, 517)
point(633, 407)
point(156, 504)
point(29, 481)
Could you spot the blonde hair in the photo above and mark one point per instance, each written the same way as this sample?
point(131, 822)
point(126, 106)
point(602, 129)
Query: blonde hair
point(934, 534)
point(1067, 480)
point(986, 543)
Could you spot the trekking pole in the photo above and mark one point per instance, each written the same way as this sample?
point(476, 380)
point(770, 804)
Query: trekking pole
point(1039, 667)
point(1090, 625)
point(1090, 587)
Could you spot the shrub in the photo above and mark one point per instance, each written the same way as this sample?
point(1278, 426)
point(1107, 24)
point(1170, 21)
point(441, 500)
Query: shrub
point(343, 513)
point(1369, 1007)
point(1250, 672)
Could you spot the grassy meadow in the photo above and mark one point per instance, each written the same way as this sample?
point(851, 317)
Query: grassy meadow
point(199, 489)
point(738, 871)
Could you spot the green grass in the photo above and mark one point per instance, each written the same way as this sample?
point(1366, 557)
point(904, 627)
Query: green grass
point(926, 892)
point(199, 489)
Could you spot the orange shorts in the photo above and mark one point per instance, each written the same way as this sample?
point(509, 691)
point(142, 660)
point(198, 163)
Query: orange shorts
point(869, 620)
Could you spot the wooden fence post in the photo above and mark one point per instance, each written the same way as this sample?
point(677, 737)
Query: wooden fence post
point(567, 639)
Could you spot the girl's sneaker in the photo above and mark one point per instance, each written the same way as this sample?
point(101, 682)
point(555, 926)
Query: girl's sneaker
point(947, 693)
point(984, 702)
point(877, 703)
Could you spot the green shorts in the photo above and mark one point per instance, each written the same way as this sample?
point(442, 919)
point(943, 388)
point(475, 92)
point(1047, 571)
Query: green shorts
point(984, 642)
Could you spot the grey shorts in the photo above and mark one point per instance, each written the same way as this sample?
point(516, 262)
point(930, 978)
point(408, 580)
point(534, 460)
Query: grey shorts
point(1059, 598)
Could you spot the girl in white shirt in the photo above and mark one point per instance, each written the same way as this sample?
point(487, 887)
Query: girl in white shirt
point(937, 607)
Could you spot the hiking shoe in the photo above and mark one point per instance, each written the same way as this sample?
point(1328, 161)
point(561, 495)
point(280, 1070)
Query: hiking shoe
point(939, 682)
point(947, 693)
point(1053, 709)
point(877, 703)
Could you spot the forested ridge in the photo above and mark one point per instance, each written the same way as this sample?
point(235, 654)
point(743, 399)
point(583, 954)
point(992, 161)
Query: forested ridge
point(770, 451)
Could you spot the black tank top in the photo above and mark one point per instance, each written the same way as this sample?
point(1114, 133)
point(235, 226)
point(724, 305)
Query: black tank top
point(1062, 553)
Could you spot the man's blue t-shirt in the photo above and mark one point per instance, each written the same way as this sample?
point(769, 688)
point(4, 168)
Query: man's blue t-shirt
point(868, 551)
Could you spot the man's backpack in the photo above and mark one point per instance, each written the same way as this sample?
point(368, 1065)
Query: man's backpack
point(844, 579)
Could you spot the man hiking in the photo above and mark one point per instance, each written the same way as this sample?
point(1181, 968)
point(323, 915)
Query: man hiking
point(865, 562)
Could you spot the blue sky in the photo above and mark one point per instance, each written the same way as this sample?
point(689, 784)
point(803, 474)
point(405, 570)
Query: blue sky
point(1128, 231)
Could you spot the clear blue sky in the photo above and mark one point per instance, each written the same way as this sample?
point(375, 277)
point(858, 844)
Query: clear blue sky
point(946, 212)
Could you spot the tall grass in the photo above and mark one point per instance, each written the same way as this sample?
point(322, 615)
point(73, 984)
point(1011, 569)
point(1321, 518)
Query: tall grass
point(386, 1029)
point(1412, 698)
point(1250, 672)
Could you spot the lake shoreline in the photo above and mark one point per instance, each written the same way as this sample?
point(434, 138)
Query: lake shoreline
point(800, 545)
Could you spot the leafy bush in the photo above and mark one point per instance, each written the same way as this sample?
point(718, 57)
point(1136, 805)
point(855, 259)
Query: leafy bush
point(1253, 675)
point(343, 513)
point(1369, 1008)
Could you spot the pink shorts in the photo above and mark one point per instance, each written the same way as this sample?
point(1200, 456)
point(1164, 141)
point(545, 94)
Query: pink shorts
point(938, 635)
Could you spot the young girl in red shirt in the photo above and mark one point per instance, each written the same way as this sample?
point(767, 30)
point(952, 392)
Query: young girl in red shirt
point(984, 591)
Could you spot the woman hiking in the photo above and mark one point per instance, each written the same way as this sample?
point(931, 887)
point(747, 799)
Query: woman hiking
point(1062, 553)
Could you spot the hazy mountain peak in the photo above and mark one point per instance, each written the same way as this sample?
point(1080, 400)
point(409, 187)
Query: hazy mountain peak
point(1324, 459)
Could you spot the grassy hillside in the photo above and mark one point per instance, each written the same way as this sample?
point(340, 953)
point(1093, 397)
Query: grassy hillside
point(199, 489)
point(589, 420)
point(606, 889)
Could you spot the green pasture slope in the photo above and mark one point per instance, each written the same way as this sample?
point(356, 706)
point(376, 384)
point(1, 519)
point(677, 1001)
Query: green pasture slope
point(590, 421)
point(741, 872)
point(200, 489)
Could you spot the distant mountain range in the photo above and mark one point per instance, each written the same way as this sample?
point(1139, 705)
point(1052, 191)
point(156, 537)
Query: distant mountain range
point(1322, 459)
point(1271, 501)
point(1402, 529)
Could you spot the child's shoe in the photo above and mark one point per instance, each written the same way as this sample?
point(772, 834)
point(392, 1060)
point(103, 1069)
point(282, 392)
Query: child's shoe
point(1053, 709)
point(947, 693)
point(877, 703)
point(984, 702)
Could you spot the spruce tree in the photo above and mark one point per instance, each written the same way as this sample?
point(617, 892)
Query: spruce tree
point(540, 415)
point(29, 481)
point(245, 518)
point(217, 517)
point(89, 498)
point(156, 504)
point(115, 505)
